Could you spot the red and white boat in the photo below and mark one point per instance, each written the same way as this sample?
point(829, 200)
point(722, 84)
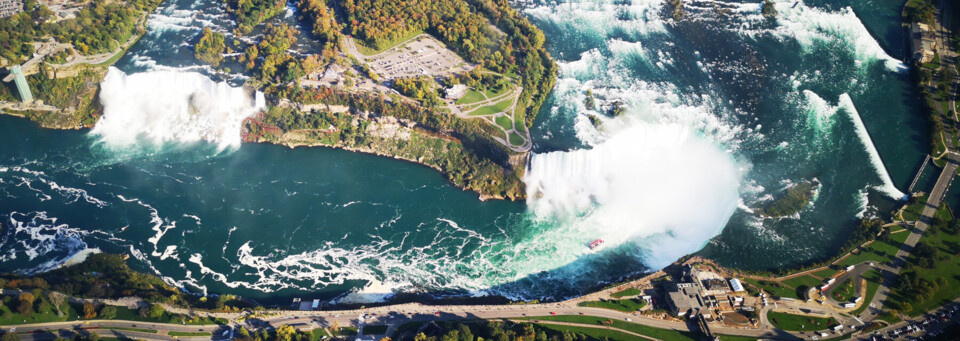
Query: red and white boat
point(596, 244)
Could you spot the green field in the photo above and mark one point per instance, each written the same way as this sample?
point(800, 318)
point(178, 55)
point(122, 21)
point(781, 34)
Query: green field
point(472, 96)
point(369, 51)
point(132, 329)
point(844, 291)
point(947, 267)
point(874, 279)
point(516, 139)
point(189, 334)
point(518, 118)
point(772, 288)
point(663, 334)
point(791, 322)
point(626, 292)
point(826, 273)
point(595, 333)
point(912, 211)
point(8, 317)
point(799, 281)
point(878, 251)
point(504, 122)
point(492, 109)
point(491, 94)
point(377, 329)
point(318, 334)
point(624, 305)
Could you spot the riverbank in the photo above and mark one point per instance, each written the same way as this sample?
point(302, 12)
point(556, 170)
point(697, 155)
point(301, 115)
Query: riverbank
point(396, 138)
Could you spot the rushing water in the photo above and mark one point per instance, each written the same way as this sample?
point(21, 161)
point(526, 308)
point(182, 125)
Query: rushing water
point(724, 109)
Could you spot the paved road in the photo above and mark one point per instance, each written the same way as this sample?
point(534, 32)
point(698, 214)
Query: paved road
point(890, 272)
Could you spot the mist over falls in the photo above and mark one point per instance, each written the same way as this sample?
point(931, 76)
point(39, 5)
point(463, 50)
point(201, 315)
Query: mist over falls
point(172, 106)
point(677, 172)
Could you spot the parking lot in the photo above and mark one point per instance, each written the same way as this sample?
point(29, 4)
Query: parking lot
point(421, 56)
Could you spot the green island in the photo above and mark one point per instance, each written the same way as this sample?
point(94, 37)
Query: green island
point(479, 140)
point(791, 201)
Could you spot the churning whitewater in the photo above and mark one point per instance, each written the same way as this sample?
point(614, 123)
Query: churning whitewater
point(722, 111)
point(649, 181)
point(172, 106)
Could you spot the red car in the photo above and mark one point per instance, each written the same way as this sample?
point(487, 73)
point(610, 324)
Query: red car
point(552, 313)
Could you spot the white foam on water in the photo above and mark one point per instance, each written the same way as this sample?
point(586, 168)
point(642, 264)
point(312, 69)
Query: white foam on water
point(647, 182)
point(34, 234)
point(811, 25)
point(168, 106)
point(887, 188)
point(599, 19)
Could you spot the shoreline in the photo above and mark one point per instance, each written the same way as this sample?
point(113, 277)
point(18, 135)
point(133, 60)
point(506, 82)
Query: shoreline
point(291, 145)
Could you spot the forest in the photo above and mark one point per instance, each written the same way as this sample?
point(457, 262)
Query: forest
point(210, 48)
point(98, 28)
point(464, 26)
point(250, 13)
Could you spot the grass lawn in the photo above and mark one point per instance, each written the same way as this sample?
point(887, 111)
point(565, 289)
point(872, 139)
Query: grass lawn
point(878, 251)
point(132, 329)
point(377, 329)
point(369, 50)
point(888, 317)
point(799, 281)
point(189, 333)
point(736, 338)
point(521, 126)
point(625, 293)
point(492, 109)
point(318, 334)
point(594, 333)
point(874, 279)
point(948, 248)
point(826, 273)
point(912, 212)
point(409, 327)
point(8, 317)
point(791, 322)
point(663, 334)
point(625, 305)
point(491, 94)
point(124, 313)
point(773, 288)
point(844, 291)
point(900, 237)
point(347, 331)
point(516, 139)
point(504, 122)
point(472, 96)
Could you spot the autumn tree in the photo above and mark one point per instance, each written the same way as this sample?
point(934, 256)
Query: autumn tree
point(25, 304)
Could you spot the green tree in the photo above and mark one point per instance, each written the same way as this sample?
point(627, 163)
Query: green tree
point(156, 312)
point(108, 312)
point(25, 304)
point(210, 47)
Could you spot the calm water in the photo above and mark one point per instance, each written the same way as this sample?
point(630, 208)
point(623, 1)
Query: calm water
point(776, 102)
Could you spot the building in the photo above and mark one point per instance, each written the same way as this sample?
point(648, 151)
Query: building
point(683, 298)
point(736, 285)
point(21, 81)
point(456, 92)
point(10, 7)
point(923, 41)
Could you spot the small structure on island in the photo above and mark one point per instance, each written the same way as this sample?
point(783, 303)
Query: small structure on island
point(16, 73)
point(923, 41)
point(455, 92)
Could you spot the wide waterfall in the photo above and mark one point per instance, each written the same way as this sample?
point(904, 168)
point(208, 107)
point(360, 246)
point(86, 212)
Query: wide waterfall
point(659, 184)
point(172, 106)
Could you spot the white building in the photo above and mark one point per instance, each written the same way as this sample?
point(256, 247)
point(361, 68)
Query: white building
point(456, 91)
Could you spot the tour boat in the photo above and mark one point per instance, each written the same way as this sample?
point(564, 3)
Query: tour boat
point(595, 244)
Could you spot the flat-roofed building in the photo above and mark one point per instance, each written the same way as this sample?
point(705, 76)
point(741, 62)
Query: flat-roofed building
point(923, 41)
